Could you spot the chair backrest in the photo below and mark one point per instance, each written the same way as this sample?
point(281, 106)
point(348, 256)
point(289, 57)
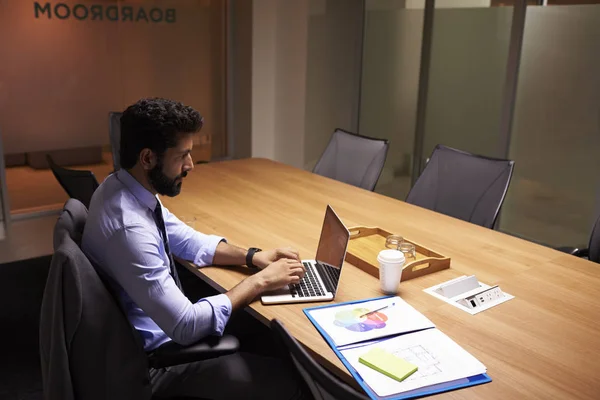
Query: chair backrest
point(87, 347)
point(463, 185)
point(353, 159)
point(322, 384)
point(114, 133)
point(71, 222)
point(78, 184)
point(594, 246)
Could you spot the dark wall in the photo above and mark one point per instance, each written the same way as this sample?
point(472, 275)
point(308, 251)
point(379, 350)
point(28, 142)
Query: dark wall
point(21, 298)
point(20, 301)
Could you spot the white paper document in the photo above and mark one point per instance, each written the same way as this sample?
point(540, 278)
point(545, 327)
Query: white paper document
point(439, 358)
point(468, 294)
point(359, 322)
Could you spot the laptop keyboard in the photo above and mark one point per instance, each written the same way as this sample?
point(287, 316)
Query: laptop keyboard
point(309, 285)
point(330, 276)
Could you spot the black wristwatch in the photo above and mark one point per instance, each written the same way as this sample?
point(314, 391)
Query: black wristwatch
point(250, 255)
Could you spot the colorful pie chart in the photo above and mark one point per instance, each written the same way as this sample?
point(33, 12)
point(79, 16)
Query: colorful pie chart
point(355, 322)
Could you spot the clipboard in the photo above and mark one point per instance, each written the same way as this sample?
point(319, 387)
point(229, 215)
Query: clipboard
point(425, 391)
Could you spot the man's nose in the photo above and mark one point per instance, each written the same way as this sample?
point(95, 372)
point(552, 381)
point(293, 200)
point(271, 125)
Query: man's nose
point(189, 164)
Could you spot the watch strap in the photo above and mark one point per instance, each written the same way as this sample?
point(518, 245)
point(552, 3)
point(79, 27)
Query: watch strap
point(250, 255)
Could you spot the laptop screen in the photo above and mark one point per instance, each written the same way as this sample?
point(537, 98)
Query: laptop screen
point(332, 248)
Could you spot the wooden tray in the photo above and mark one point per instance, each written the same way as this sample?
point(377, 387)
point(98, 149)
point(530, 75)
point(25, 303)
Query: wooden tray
point(366, 243)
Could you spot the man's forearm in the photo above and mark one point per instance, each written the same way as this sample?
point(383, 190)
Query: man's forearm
point(228, 254)
point(245, 291)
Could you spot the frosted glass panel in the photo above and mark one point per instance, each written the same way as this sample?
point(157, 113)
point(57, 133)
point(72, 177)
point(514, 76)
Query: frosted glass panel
point(555, 193)
point(332, 72)
point(390, 79)
point(469, 54)
point(66, 64)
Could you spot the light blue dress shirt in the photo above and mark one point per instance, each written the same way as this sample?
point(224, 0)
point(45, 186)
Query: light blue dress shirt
point(121, 238)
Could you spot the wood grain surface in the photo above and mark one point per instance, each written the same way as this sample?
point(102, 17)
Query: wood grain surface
point(545, 343)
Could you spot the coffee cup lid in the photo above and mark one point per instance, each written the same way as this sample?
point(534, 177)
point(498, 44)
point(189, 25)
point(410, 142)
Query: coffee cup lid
point(390, 256)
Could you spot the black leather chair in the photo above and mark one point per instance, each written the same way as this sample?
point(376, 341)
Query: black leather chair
point(322, 384)
point(114, 134)
point(79, 184)
point(592, 252)
point(353, 159)
point(88, 348)
point(463, 185)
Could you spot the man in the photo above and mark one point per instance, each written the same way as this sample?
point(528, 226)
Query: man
point(130, 237)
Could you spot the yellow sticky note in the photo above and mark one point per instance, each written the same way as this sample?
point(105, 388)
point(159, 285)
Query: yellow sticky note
point(388, 364)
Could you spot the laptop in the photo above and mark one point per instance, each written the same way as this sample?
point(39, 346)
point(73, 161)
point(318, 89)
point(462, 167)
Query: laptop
point(322, 276)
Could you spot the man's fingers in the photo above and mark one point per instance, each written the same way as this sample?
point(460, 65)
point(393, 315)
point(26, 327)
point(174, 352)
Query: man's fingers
point(289, 253)
point(297, 267)
point(294, 263)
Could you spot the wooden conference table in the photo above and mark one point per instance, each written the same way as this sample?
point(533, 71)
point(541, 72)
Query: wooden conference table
point(545, 343)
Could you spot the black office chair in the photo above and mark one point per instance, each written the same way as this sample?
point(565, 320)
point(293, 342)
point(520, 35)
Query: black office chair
point(353, 159)
point(88, 348)
point(78, 184)
point(322, 384)
point(592, 252)
point(114, 134)
point(462, 185)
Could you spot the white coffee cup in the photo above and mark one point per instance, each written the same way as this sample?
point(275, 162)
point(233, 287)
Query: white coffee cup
point(390, 270)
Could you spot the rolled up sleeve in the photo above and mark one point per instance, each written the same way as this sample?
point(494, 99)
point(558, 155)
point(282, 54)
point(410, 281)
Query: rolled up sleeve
point(136, 263)
point(221, 311)
point(188, 243)
point(206, 252)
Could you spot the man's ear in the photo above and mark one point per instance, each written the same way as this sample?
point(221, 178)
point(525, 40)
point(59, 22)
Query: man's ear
point(147, 159)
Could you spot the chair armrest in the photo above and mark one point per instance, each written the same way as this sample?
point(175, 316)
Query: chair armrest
point(575, 251)
point(581, 253)
point(567, 249)
point(171, 353)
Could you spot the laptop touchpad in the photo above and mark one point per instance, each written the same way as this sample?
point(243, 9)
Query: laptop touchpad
point(279, 292)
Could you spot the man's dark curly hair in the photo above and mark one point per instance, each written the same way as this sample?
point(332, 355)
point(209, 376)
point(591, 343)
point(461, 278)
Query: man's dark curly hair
point(155, 124)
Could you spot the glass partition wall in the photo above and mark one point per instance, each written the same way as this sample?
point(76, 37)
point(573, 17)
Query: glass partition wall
point(469, 56)
point(389, 86)
point(512, 79)
point(67, 64)
point(509, 79)
point(555, 138)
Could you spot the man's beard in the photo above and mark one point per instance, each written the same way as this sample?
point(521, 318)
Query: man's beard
point(162, 183)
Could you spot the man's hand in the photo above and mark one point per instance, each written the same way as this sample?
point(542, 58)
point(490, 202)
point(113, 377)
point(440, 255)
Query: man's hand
point(264, 258)
point(276, 275)
point(282, 272)
point(279, 267)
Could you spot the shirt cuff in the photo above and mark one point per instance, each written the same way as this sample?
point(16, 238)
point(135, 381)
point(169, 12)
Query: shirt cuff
point(207, 251)
point(221, 306)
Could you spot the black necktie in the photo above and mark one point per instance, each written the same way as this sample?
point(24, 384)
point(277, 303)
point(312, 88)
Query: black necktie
point(160, 222)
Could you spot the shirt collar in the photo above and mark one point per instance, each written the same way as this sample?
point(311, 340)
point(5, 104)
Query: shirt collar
point(139, 192)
